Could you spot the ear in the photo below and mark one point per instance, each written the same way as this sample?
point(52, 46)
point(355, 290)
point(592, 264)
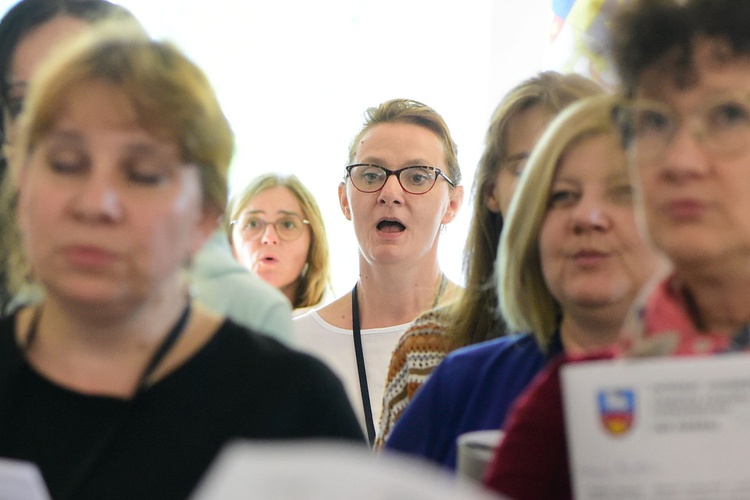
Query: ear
point(492, 201)
point(454, 204)
point(344, 201)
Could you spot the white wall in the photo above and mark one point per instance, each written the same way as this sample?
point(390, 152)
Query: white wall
point(295, 77)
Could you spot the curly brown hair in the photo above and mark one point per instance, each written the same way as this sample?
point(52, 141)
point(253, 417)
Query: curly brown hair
point(647, 32)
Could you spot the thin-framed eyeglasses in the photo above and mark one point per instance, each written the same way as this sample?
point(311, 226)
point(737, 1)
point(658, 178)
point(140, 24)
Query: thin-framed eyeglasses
point(721, 125)
point(417, 179)
point(288, 228)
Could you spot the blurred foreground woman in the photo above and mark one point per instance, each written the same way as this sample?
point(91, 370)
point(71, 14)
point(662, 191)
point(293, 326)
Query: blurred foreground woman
point(116, 385)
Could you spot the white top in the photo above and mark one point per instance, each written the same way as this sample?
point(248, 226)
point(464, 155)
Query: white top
point(335, 346)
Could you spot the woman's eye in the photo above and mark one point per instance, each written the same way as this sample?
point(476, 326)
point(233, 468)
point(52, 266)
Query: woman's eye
point(64, 167)
point(149, 178)
point(371, 177)
point(561, 197)
point(417, 178)
point(146, 172)
point(288, 224)
point(66, 164)
point(649, 121)
point(728, 115)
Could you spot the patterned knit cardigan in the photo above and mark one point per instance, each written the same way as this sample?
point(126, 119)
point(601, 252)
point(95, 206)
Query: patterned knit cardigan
point(421, 348)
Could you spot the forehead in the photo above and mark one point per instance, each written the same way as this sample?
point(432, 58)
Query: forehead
point(399, 144)
point(525, 128)
point(96, 105)
point(275, 199)
point(593, 158)
point(712, 68)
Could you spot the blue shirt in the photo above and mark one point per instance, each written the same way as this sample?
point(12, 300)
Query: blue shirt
point(472, 389)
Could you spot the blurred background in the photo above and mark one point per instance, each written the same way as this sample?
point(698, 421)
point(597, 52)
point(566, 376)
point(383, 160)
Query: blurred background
point(294, 78)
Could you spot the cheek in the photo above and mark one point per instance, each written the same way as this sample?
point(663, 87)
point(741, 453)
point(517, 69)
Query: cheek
point(551, 236)
point(246, 252)
point(300, 251)
point(504, 189)
point(38, 207)
point(550, 242)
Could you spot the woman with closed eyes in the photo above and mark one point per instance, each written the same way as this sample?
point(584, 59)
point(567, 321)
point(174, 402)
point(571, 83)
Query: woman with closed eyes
point(117, 384)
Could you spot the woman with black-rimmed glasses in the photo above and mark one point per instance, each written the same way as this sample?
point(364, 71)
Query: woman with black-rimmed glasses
point(401, 186)
point(276, 231)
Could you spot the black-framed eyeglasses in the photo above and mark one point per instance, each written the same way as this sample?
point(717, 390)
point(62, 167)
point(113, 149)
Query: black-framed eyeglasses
point(721, 124)
point(418, 179)
point(288, 228)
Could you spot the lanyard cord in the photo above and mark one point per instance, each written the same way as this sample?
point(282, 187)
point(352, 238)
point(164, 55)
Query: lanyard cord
point(79, 476)
point(361, 370)
point(363, 387)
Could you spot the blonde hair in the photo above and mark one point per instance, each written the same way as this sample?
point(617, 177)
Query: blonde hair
point(169, 94)
point(525, 300)
point(416, 113)
point(316, 278)
point(474, 314)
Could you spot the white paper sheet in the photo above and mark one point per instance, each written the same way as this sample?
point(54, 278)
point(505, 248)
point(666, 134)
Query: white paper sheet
point(21, 481)
point(321, 470)
point(659, 428)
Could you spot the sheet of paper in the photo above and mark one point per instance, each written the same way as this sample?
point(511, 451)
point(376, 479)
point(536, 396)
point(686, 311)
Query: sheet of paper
point(21, 481)
point(659, 428)
point(326, 470)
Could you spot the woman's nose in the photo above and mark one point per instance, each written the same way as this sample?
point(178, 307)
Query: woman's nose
point(269, 236)
point(97, 199)
point(591, 215)
point(392, 192)
point(684, 156)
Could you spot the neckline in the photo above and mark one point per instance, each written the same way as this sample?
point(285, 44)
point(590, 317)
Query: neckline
point(144, 380)
point(439, 292)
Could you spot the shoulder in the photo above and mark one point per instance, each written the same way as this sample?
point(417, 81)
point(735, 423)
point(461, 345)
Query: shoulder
point(438, 318)
point(512, 347)
point(337, 313)
point(427, 329)
point(258, 355)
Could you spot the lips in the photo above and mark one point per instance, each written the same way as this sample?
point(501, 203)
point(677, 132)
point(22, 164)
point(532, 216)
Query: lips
point(89, 256)
point(388, 225)
point(589, 257)
point(268, 259)
point(685, 208)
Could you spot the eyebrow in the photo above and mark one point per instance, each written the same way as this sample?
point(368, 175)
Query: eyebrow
point(410, 163)
point(138, 146)
point(65, 136)
point(282, 212)
point(518, 156)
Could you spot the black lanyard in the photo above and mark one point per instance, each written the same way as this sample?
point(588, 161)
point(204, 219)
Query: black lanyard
point(363, 388)
point(79, 476)
point(357, 335)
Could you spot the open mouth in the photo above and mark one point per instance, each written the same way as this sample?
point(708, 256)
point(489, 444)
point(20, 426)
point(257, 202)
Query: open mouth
point(390, 226)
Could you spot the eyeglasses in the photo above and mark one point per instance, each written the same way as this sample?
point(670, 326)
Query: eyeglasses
point(722, 125)
point(419, 179)
point(288, 227)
